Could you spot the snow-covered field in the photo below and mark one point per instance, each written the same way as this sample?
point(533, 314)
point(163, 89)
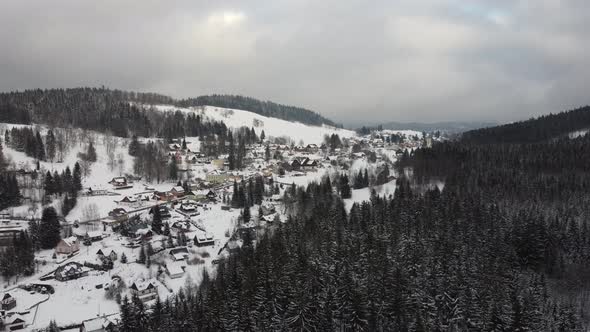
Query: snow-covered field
point(272, 127)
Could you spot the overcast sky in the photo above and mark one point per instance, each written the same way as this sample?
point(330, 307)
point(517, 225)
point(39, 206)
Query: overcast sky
point(352, 61)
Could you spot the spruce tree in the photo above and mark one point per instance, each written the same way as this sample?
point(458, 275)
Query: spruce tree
point(77, 177)
point(91, 153)
point(157, 220)
point(49, 229)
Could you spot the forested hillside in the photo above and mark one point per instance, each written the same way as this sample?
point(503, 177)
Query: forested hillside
point(445, 261)
point(534, 130)
point(542, 188)
point(104, 109)
point(266, 108)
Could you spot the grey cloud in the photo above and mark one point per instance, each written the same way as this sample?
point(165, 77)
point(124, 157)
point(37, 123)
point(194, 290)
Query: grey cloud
point(353, 61)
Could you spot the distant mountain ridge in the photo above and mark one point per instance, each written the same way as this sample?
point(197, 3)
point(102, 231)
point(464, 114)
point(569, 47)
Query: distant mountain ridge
point(446, 126)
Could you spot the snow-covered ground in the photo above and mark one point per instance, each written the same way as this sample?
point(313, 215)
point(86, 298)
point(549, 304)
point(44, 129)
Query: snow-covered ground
point(272, 127)
point(360, 195)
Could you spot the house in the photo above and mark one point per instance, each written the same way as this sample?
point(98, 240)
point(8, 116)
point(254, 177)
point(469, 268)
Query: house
point(163, 195)
point(144, 234)
point(120, 181)
point(14, 322)
point(112, 254)
point(177, 191)
point(175, 269)
point(203, 239)
point(146, 291)
point(128, 200)
point(312, 148)
point(8, 302)
point(72, 270)
point(295, 165)
point(119, 215)
point(267, 209)
point(99, 324)
point(309, 164)
point(218, 163)
point(174, 147)
point(95, 236)
point(181, 227)
point(216, 177)
point(68, 246)
point(188, 208)
point(179, 254)
point(164, 211)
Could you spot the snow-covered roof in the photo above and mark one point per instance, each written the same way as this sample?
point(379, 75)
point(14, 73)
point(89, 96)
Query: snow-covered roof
point(141, 286)
point(94, 234)
point(175, 268)
point(96, 324)
point(70, 241)
point(178, 189)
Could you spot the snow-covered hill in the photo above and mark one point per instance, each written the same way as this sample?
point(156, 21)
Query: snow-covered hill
point(272, 126)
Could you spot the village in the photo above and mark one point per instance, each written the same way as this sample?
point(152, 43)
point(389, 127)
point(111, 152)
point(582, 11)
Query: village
point(110, 246)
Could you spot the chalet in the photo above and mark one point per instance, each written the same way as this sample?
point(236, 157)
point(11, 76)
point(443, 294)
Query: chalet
point(112, 255)
point(203, 239)
point(295, 165)
point(175, 269)
point(177, 191)
point(146, 291)
point(8, 302)
point(128, 200)
point(181, 227)
point(163, 195)
point(119, 215)
point(72, 270)
point(68, 246)
point(217, 177)
point(174, 147)
point(144, 234)
point(164, 211)
point(312, 148)
point(218, 163)
point(99, 324)
point(120, 181)
point(267, 209)
point(14, 322)
point(179, 254)
point(189, 209)
point(95, 235)
point(309, 164)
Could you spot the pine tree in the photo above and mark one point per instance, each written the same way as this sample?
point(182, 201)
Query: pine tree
point(142, 255)
point(246, 215)
point(39, 147)
point(123, 258)
point(49, 228)
point(173, 170)
point(77, 177)
point(91, 153)
point(157, 221)
point(134, 146)
point(51, 145)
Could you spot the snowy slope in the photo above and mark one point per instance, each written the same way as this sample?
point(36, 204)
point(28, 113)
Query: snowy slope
point(272, 126)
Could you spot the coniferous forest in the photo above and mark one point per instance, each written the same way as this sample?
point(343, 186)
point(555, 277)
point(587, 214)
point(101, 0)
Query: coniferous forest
point(503, 247)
